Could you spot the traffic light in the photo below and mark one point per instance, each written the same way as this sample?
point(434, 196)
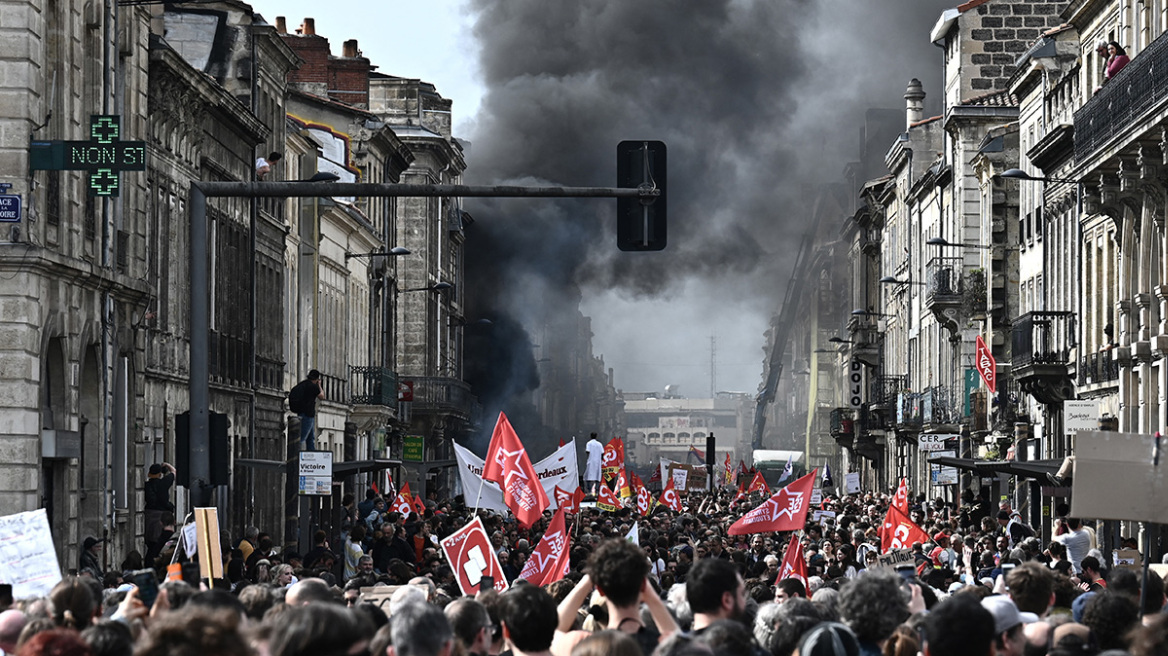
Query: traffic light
point(640, 222)
point(219, 444)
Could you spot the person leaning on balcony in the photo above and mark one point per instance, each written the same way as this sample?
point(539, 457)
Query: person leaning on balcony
point(1116, 59)
point(302, 401)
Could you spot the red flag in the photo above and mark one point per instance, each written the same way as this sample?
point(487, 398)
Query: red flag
point(469, 552)
point(549, 562)
point(900, 501)
point(899, 532)
point(670, 498)
point(623, 487)
point(636, 481)
point(420, 505)
point(606, 500)
point(758, 483)
point(794, 565)
point(404, 502)
point(644, 501)
point(729, 470)
point(785, 511)
point(561, 443)
point(741, 492)
point(741, 468)
point(375, 490)
point(507, 464)
point(614, 457)
point(566, 501)
point(655, 477)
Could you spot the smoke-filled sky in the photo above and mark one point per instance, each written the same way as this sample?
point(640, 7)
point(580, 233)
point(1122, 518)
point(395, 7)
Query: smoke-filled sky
point(757, 100)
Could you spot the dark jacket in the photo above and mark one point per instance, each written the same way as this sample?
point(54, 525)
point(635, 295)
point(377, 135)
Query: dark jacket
point(302, 398)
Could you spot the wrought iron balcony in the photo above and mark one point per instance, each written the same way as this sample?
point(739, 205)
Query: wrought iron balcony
point(1140, 89)
point(908, 410)
point(937, 406)
point(443, 396)
point(1096, 368)
point(1041, 346)
point(943, 290)
point(842, 422)
point(372, 386)
point(885, 390)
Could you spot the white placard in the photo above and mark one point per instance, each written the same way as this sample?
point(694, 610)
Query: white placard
point(852, 482)
point(1081, 415)
point(316, 473)
point(930, 442)
point(942, 474)
point(190, 538)
point(816, 497)
point(28, 560)
point(680, 478)
point(820, 515)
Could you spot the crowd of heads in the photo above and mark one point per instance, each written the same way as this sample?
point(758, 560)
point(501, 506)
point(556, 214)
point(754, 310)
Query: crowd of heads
point(982, 584)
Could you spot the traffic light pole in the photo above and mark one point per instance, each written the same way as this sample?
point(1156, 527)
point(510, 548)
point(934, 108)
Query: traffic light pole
point(199, 387)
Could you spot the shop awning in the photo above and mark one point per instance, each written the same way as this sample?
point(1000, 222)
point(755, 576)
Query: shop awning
point(353, 467)
point(1039, 470)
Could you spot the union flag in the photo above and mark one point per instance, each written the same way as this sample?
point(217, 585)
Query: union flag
point(606, 500)
point(508, 465)
point(758, 483)
point(568, 501)
point(900, 500)
point(669, 497)
point(613, 458)
point(794, 565)
point(549, 562)
point(404, 501)
point(899, 532)
point(622, 484)
point(785, 511)
point(644, 501)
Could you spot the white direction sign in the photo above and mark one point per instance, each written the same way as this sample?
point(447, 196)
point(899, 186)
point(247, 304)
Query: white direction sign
point(1081, 415)
point(316, 473)
point(933, 441)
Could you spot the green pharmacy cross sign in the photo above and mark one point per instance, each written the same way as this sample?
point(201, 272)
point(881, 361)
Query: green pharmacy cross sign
point(105, 155)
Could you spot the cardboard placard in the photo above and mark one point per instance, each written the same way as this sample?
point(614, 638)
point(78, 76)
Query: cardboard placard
point(895, 558)
point(28, 560)
point(1127, 559)
point(207, 543)
point(852, 482)
point(688, 478)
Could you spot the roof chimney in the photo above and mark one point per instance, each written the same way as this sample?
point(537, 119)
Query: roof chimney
point(308, 27)
point(350, 49)
point(914, 103)
point(281, 25)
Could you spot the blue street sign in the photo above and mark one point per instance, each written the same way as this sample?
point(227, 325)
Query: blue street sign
point(9, 208)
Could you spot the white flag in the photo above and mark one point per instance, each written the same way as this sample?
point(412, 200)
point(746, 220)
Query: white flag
point(788, 470)
point(633, 535)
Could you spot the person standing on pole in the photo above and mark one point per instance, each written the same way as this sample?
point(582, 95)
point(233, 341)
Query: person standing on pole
point(302, 401)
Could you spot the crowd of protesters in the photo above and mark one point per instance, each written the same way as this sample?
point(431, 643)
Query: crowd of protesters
point(982, 585)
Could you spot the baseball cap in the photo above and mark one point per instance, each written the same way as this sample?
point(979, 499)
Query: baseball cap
point(90, 541)
point(1006, 614)
point(940, 536)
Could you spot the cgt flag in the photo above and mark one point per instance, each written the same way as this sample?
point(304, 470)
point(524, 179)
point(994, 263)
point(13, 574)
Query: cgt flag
point(794, 566)
point(623, 484)
point(785, 511)
point(507, 464)
point(900, 500)
point(613, 458)
point(404, 502)
point(899, 532)
point(549, 562)
point(758, 483)
point(729, 480)
point(569, 501)
point(606, 500)
point(670, 498)
point(644, 501)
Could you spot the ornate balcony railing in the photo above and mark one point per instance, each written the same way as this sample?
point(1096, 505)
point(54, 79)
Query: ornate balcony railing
point(842, 422)
point(449, 395)
point(1098, 368)
point(1140, 88)
point(908, 410)
point(1042, 338)
point(886, 388)
point(943, 279)
point(372, 386)
point(936, 406)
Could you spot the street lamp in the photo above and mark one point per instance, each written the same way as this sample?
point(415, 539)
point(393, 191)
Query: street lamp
point(395, 251)
point(461, 322)
point(893, 280)
point(1019, 174)
point(840, 340)
point(868, 313)
point(436, 287)
point(945, 243)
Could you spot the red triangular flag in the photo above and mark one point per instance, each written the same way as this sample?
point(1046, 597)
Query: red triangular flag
point(655, 477)
point(375, 490)
point(507, 464)
point(669, 497)
point(741, 492)
point(899, 532)
point(758, 483)
point(785, 511)
point(561, 443)
point(420, 505)
point(606, 500)
point(794, 565)
point(741, 468)
point(566, 501)
point(900, 500)
point(404, 502)
point(549, 562)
